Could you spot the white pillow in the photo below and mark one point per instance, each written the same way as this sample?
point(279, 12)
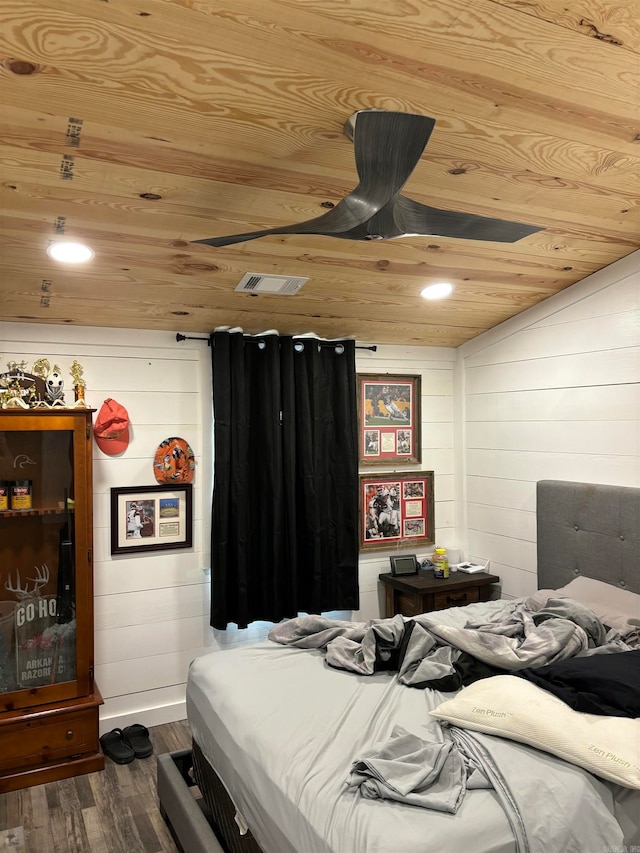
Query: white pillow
point(516, 709)
point(614, 607)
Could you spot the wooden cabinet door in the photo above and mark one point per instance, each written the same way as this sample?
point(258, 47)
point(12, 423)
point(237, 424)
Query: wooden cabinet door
point(46, 587)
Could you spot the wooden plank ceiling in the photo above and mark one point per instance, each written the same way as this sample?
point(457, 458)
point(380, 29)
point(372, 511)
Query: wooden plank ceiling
point(137, 126)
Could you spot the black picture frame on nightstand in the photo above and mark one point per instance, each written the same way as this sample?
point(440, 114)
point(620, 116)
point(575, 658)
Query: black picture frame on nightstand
point(404, 564)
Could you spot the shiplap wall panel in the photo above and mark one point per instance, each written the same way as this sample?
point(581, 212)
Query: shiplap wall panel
point(151, 669)
point(439, 460)
point(136, 470)
point(144, 373)
point(164, 407)
point(444, 519)
point(608, 332)
point(504, 550)
point(603, 320)
point(152, 608)
point(135, 573)
point(438, 434)
point(620, 438)
point(552, 394)
point(151, 638)
point(517, 494)
point(126, 708)
point(153, 605)
point(437, 409)
point(606, 302)
point(565, 404)
point(521, 582)
point(403, 359)
point(444, 487)
point(502, 521)
point(145, 435)
point(532, 466)
point(27, 339)
point(596, 367)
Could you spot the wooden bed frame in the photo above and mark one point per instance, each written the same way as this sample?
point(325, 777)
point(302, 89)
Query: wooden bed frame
point(577, 523)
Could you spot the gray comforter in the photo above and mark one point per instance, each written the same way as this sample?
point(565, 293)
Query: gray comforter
point(426, 649)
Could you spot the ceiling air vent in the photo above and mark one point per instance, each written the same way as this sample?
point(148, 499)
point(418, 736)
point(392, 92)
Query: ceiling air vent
point(283, 285)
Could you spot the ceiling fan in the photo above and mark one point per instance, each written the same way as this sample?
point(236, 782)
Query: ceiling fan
point(388, 146)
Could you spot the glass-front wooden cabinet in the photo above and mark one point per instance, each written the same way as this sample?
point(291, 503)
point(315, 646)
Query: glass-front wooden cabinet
point(48, 699)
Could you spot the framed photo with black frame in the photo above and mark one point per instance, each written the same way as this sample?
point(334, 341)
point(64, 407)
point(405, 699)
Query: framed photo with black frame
point(151, 518)
point(388, 419)
point(396, 510)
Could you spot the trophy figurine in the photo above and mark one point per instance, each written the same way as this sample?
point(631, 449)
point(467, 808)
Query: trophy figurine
point(79, 383)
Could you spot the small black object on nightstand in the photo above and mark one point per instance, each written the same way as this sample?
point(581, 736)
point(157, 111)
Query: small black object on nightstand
point(405, 564)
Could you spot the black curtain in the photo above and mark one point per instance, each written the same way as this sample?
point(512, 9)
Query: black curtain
point(285, 503)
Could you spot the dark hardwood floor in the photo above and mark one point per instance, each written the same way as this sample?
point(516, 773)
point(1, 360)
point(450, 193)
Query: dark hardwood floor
point(114, 811)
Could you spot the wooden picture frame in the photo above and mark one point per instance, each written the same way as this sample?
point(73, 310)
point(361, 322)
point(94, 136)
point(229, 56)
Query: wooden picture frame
point(388, 419)
point(151, 518)
point(396, 510)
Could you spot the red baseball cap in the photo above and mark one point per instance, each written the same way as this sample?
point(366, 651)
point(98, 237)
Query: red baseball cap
point(111, 429)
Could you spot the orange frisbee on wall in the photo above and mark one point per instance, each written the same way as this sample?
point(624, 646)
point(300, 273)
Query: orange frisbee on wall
point(174, 461)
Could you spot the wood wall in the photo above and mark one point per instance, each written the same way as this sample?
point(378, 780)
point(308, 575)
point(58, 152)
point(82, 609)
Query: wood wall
point(551, 394)
point(140, 126)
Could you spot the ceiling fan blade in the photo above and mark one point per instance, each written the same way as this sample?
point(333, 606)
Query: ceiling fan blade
point(387, 147)
point(401, 217)
point(230, 239)
point(413, 218)
point(340, 219)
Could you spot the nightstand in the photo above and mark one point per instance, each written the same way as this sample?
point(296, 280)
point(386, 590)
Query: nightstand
point(411, 595)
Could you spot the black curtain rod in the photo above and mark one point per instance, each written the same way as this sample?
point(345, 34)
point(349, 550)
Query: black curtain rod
point(180, 337)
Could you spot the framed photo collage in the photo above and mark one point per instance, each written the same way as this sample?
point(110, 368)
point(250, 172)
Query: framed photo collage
point(396, 510)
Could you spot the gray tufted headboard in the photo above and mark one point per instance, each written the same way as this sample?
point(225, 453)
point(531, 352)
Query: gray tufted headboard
point(586, 529)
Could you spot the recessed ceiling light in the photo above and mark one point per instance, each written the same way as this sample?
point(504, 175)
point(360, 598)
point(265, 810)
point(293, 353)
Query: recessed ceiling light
point(70, 253)
point(437, 291)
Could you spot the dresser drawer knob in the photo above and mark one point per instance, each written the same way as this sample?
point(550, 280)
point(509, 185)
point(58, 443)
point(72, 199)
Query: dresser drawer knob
point(453, 599)
point(69, 734)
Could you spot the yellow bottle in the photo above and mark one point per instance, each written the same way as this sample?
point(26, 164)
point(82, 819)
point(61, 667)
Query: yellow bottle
point(440, 563)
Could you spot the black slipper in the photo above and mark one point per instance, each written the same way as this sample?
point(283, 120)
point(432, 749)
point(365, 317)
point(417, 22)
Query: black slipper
point(115, 748)
point(137, 737)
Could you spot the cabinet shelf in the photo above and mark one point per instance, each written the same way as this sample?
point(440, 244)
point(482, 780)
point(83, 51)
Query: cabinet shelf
point(41, 510)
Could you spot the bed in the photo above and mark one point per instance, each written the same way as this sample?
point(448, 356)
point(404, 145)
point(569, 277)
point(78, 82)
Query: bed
point(311, 741)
